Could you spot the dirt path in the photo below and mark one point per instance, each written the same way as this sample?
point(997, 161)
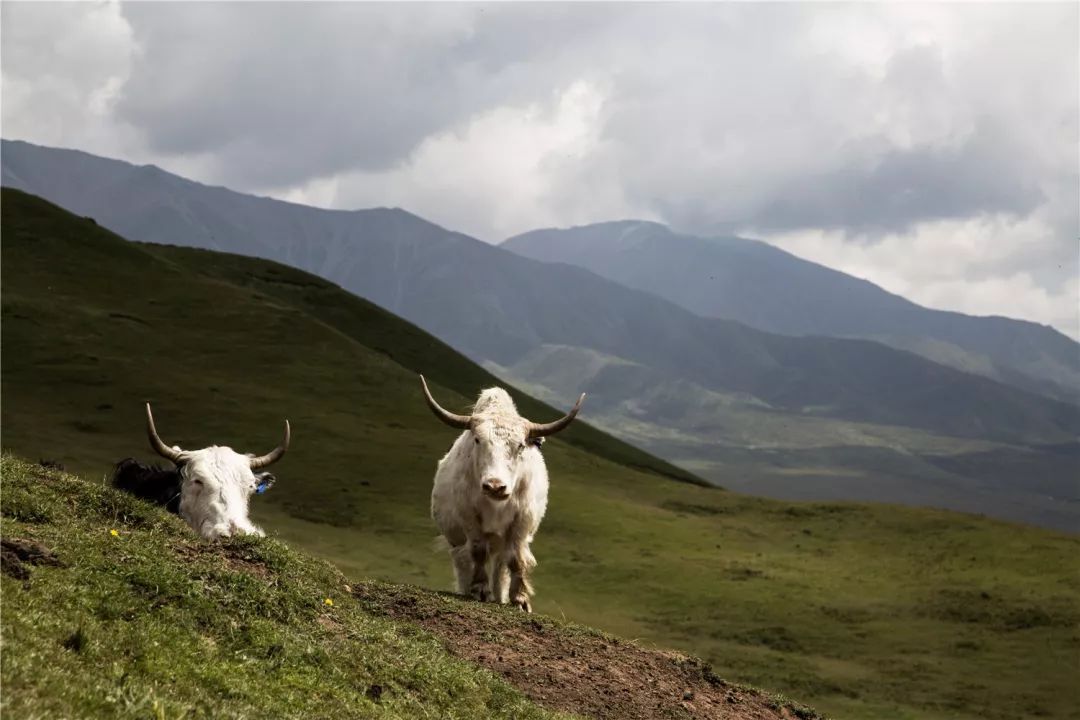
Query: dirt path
point(574, 669)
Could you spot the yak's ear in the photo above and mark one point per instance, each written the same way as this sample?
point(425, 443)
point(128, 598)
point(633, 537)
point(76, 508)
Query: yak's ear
point(265, 482)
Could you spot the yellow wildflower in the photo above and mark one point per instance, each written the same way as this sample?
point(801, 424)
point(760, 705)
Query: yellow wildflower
point(114, 533)
point(328, 602)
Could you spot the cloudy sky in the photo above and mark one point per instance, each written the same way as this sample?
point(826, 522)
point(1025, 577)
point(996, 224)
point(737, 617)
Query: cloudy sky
point(932, 149)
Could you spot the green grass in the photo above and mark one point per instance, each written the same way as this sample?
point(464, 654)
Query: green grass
point(863, 611)
point(151, 623)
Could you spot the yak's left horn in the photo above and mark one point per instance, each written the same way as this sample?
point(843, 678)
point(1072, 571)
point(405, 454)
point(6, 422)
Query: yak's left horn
point(544, 429)
point(157, 443)
point(274, 455)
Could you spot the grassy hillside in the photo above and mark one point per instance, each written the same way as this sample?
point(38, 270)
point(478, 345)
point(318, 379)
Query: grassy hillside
point(861, 611)
point(113, 609)
point(149, 622)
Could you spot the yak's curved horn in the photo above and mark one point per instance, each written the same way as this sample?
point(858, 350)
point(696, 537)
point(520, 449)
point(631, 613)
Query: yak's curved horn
point(544, 429)
point(157, 443)
point(274, 455)
point(456, 421)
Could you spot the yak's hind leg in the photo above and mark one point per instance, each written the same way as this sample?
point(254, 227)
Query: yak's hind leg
point(463, 567)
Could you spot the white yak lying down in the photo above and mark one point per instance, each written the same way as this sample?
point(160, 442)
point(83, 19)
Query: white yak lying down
point(490, 495)
point(213, 485)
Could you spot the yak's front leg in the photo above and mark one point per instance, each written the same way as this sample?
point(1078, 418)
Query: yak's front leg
point(500, 574)
point(500, 581)
point(478, 586)
point(520, 560)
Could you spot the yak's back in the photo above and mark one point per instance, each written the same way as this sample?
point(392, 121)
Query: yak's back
point(149, 482)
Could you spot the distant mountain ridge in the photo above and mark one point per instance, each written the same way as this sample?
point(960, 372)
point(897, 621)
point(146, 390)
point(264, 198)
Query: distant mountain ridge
point(717, 397)
point(765, 287)
point(496, 305)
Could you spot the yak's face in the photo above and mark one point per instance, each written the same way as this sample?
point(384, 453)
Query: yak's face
point(499, 450)
point(501, 438)
point(216, 487)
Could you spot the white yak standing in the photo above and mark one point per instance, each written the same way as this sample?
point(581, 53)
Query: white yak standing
point(490, 495)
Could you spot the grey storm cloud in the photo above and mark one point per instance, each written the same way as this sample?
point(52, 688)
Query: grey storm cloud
point(796, 139)
point(868, 185)
point(891, 188)
point(750, 118)
point(283, 92)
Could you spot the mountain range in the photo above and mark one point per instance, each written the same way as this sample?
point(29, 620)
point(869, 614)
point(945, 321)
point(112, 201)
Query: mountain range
point(765, 287)
point(788, 411)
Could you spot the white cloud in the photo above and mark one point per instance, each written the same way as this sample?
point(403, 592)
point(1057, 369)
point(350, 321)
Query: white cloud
point(494, 176)
point(63, 68)
point(1016, 296)
point(972, 266)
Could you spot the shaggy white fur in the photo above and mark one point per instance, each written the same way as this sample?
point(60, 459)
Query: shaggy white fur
point(489, 497)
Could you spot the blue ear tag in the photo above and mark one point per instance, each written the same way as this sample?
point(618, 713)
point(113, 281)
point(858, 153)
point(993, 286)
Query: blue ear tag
point(266, 480)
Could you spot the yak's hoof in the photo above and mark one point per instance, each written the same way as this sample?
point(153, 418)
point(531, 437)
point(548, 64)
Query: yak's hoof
point(522, 601)
point(480, 593)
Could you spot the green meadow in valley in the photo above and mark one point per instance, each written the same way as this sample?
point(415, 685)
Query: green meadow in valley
point(861, 611)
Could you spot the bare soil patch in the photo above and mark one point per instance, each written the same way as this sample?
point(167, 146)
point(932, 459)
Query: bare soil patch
point(245, 562)
point(237, 559)
point(574, 669)
point(17, 555)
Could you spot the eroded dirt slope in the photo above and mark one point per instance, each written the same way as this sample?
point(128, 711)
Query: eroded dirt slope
point(575, 669)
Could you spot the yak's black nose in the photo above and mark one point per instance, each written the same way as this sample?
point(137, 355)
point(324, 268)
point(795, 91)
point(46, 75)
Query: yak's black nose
point(496, 489)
